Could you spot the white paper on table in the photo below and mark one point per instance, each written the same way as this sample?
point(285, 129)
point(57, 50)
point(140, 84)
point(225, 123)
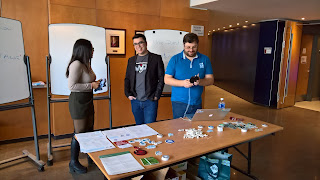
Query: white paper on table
point(120, 163)
point(125, 146)
point(119, 134)
point(141, 131)
point(93, 141)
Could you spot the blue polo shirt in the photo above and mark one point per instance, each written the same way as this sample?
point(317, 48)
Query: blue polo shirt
point(181, 68)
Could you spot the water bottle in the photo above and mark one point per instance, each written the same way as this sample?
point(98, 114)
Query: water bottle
point(221, 105)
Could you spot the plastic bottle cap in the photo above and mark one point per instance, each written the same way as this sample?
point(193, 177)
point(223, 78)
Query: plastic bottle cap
point(165, 158)
point(244, 130)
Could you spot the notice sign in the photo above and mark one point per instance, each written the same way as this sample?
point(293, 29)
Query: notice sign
point(267, 50)
point(303, 60)
point(198, 30)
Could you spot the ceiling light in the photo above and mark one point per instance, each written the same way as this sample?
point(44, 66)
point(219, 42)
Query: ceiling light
point(303, 18)
point(224, 27)
point(238, 24)
point(218, 28)
point(244, 26)
point(246, 21)
point(214, 30)
point(253, 24)
point(230, 25)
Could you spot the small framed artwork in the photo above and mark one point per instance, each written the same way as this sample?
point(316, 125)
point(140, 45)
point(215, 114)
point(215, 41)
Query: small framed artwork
point(116, 41)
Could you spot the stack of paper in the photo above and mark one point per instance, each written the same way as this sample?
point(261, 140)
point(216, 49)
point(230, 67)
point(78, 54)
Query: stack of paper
point(131, 132)
point(119, 163)
point(119, 134)
point(142, 131)
point(93, 141)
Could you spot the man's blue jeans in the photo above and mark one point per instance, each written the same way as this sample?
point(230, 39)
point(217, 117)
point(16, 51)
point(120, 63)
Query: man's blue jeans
point(179, 109)
point(144, 112)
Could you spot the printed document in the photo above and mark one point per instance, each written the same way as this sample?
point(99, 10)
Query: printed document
point(93, 141)
point(119, 163)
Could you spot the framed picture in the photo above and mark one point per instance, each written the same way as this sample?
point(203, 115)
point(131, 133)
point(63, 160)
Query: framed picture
point(116, 41)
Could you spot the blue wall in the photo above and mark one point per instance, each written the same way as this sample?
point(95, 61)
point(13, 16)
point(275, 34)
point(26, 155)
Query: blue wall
point(240, 65)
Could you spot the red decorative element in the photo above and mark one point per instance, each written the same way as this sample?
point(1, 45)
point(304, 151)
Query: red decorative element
point(140, 152)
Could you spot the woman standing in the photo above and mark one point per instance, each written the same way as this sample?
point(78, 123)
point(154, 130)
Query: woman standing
point(81, 82)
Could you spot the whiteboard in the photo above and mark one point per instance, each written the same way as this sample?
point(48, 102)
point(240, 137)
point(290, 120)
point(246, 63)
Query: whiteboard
point(13, 77)
point(61, 40)
point(166, 43)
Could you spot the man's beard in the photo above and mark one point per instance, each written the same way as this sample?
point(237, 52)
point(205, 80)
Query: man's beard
point(189, 55)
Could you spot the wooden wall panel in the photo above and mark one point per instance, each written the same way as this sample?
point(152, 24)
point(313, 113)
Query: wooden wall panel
point(185, 25)
point(90, 4)
point(68, 14)
point(164, 108)
point(181, 9)
point(61, 119)
point(121, 106)
point(304, 68)
point(294, 66)
point(101, 119)
point(289, 99)
point(34, 18)
point(40, 101)
point(62, 122)
point(141, 15)
point(15, 124)
point(147, 7)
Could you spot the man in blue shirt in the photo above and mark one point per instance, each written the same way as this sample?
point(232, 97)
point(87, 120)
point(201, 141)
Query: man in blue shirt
point(186, 95)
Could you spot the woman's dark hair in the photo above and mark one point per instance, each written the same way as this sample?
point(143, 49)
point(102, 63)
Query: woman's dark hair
point(139, 36)
point(82, 51)
point(190, 38)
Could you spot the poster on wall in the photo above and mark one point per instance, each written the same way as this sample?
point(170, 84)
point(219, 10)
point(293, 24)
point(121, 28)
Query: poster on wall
point(197, 29)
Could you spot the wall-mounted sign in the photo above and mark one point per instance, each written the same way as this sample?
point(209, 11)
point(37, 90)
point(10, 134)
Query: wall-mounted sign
point(198, 30)
point(303, 60)
point(267, 50)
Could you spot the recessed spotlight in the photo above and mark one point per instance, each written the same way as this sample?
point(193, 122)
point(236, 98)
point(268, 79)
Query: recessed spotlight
point(244, 26)
point(303, 18)
point(214, 30)
point(208, 34)
point(253, 24)
point(218, 29)
point(246, 21)
point(238, 24)
point(230, 25)
point(224, 27)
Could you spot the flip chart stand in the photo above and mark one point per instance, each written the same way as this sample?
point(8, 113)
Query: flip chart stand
point(26, 153)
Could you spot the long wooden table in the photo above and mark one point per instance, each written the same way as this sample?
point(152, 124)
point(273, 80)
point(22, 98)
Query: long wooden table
point(184, 149)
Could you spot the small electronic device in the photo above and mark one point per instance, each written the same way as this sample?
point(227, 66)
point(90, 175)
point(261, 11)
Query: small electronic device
point(101, 85)
point(193, 79)
point(210, 114)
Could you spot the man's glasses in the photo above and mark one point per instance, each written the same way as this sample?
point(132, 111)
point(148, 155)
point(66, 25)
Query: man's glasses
point(139, 43)
point(191, 47)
